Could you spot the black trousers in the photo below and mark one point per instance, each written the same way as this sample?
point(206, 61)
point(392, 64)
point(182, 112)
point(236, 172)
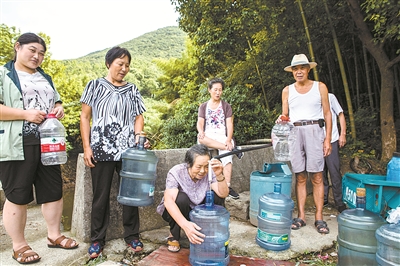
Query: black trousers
point(332, 164)
point(182, 200)
point(102, 176)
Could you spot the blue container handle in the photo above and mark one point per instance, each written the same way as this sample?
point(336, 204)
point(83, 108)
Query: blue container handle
point(276, 167)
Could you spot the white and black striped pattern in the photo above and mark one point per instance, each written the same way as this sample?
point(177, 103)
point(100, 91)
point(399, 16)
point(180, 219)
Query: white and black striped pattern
point(113, 117)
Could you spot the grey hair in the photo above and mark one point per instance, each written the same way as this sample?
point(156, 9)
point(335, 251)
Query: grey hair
point(194, 151)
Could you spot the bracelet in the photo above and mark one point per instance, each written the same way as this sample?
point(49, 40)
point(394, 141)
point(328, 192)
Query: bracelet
point(223, 178)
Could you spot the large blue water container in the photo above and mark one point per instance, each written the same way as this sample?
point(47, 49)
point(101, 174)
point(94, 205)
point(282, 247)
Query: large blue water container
point(262, 182)
point(274, 220)
point(388, 250)
point(138, 176)
point(214, 223)
point(357, 244)
point(393, 168)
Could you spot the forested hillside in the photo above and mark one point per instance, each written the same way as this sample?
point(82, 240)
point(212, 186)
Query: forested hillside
point(248, 43)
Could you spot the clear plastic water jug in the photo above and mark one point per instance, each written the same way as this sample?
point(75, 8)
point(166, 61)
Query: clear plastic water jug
point(214, 223)
point(283, 138)
point(393, 168)
point(52, 141)
point(357, 244)
point(388, 249)
point(262, 182)
point(274, 220)
point(138, 176)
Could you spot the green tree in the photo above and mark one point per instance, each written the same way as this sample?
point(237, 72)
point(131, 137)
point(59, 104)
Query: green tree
point(384, 15)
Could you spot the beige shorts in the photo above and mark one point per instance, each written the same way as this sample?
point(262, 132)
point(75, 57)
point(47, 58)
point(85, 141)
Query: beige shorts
point(308, 150)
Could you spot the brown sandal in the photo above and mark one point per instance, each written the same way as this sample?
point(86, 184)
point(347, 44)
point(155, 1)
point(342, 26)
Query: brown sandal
point(57, 243)
point(22, 256)
point(173, 243)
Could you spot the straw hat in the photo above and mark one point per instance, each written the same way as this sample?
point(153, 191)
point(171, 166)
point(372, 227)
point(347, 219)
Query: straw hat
point(300, 59)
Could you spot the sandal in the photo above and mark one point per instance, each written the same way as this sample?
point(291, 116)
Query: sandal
point(173, 243)
point(322, 227)
point(67, 245)
point(297, 223)
point(95, 250)
point(22, 256)
point(136, 245)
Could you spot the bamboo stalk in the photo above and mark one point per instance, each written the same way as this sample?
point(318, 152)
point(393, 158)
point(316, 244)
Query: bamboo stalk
point(343, 74)
point(309, 39)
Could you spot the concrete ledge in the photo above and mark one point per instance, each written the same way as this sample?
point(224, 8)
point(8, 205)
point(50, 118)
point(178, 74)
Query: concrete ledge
point(149, 219)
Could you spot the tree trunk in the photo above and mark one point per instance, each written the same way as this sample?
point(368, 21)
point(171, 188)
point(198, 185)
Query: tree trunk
point(388, 131)
point(367, 74)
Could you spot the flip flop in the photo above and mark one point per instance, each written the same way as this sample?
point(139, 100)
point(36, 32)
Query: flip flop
point(297, 223)
point(173, 243)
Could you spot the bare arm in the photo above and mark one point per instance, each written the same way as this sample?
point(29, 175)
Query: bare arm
point(191, 229)
point(31, 115)
point(342, 136)
point(328, 118)
point(139, 126)
point(86, 116)
point(200, 127)
point(221, 186)
point(285, 104)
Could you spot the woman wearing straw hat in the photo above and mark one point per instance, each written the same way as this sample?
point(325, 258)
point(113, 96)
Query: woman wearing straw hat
point(306, 103)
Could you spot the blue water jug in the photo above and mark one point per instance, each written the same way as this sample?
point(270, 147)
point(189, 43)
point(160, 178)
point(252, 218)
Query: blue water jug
point(274, 220)
point(214, 223)
point(357, 244)
point(393, 168)
point(388, 249)
point(138, 176)
point(262, 182)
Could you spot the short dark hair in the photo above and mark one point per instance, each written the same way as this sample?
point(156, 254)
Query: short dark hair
point(211, 82)
point(29, 37)
point(116, 52)
point(194, 151)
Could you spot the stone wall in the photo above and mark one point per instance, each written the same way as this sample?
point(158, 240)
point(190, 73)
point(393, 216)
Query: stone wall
point(149, 219)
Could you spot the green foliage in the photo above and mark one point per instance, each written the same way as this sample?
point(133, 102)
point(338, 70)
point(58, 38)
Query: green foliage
point(8, 37)
point(179, 131)
point(368, 142)
point(384, 14)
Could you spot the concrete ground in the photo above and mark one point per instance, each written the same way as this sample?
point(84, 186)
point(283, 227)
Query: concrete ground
point(242, 241)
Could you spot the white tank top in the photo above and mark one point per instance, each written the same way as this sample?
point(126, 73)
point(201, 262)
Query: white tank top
point(307, 106)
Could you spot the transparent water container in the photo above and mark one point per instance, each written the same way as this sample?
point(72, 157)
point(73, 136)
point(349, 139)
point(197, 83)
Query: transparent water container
point(357, 244)
point(52, 141)
point(388, 249)
point(283, 138)
point(214, 223)
point(138, 176)
point(274, 220)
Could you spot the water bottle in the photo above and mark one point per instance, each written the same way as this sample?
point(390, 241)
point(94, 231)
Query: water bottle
point(138, 176)
point(52, 141)
point(393, 168)
point(274, 220)
point(214, 223)
point(357, 244)
point(283, 137)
